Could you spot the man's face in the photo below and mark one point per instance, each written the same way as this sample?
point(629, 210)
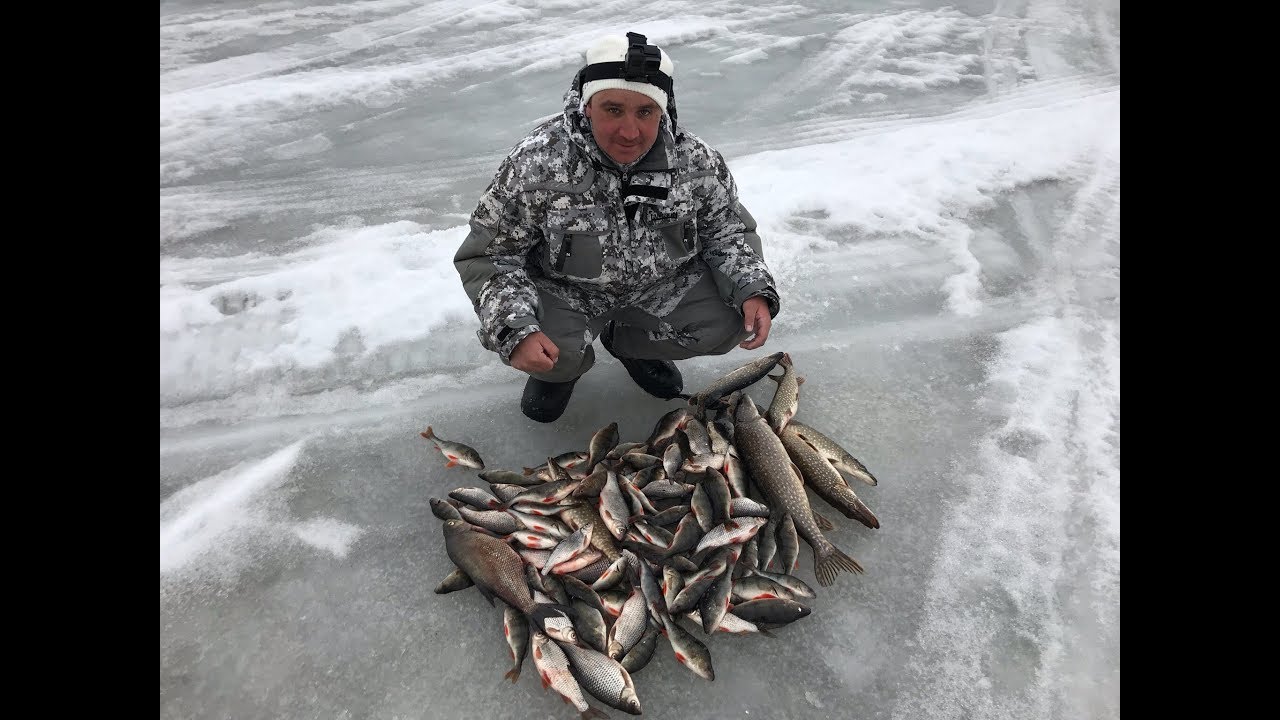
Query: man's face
point(624, 123)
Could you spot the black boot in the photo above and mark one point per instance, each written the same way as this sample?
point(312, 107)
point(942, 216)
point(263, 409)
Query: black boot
point(659, 378)
point(545, 401)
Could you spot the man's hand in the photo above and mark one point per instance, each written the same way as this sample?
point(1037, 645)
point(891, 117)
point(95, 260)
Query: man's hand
point(755, 318)
point(536, 353)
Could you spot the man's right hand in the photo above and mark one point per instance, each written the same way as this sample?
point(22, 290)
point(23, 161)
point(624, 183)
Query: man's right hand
point(535, 353)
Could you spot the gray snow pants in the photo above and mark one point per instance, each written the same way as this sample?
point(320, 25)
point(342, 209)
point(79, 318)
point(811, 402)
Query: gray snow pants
point(702, 314)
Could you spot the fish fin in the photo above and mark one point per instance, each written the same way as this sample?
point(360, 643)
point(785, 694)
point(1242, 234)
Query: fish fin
point(799, 380)
point(591, 712)
point(540, 613)
point(765, 632)
point(823, 523)
point(827, 568)
point(428, 434)
point(486, 595)
point(860, 473)
point(451, 463)
point(809, 442)
point(796, 469)
point(546, 681)
point(775, 378)
point(513, 674)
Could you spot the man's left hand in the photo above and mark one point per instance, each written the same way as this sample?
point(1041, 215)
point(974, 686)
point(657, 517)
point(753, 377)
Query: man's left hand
point(755, 318)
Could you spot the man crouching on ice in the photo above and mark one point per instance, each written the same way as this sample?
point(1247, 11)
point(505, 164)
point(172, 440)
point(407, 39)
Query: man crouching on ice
point(611, 220)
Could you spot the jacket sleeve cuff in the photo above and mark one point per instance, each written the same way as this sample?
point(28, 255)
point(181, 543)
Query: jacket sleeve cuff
point(504, 338)
point(508, 346)
point(760, 288)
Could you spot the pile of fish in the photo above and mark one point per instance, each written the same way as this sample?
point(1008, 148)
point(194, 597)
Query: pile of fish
point(599, 554)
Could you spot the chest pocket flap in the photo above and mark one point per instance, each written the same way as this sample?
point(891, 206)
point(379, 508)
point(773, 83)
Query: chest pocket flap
point(679, 230)
point(575, 238)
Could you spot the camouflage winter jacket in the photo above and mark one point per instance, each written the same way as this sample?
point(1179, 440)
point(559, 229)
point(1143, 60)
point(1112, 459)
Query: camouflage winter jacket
point(554, 220)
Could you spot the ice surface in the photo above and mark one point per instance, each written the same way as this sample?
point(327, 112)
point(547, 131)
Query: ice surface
point(938, 190)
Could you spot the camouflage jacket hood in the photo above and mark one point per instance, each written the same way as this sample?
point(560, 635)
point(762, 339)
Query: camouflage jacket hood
point(554, 220)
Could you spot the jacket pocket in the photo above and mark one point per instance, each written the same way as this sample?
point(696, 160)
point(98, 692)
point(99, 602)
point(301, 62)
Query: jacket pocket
point(575, 240)
point(679, 234)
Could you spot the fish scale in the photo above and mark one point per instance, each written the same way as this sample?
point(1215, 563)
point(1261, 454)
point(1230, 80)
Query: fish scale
point(553, 668)
point(490, 562)
point(515, 627)
point(603, 677)
point(628, 628)
point(580, 514)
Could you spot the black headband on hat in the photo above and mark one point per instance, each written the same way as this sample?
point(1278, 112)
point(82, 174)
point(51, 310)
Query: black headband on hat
point(618, 71)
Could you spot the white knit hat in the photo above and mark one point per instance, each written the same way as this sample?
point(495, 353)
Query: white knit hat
point(613, 49)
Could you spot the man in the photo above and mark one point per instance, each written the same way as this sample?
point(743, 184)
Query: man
point(612, 221)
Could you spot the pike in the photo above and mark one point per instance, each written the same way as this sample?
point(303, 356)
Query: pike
point(772, 470)
point(786, 398)
point(839, 458)
point(580, 514)
point(825, 480)
point(737, 379)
